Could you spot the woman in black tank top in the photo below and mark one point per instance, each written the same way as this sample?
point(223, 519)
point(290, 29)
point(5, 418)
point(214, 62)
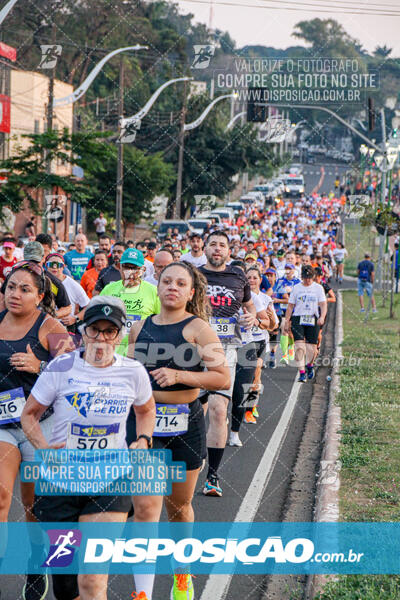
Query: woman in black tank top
point(29, 338)
point(176, 346)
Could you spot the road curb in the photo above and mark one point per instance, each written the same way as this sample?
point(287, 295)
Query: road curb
point(327, 496)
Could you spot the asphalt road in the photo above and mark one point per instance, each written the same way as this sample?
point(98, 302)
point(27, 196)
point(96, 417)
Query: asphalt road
point(255, 478)
point(324, 173)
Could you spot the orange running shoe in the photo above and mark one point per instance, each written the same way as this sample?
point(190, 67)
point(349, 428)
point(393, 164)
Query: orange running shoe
point(140, 596)
point(249, 417)
point(183, 587)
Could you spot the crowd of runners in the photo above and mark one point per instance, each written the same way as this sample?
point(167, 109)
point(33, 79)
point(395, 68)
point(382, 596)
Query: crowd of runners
point(181, 330)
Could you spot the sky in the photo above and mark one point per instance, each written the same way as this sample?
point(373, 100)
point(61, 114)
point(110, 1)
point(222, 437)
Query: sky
point(273, 27)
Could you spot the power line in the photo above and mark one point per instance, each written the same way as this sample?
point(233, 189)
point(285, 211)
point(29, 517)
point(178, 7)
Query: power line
point(316, 8)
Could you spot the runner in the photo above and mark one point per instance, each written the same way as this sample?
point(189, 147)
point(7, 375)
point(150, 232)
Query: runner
point(339, 254)
point(90, 276)
point(77, 260)
point(196, 255)
point(29, 337)
point(330, 298)
point(282, 289)
point(140, 297)
point(7, 260)
point(112, 272)
point(58, 388)
point(78, 297)
point(162, 259)
point(228, 290)
point(176, 381)
point(304, 319)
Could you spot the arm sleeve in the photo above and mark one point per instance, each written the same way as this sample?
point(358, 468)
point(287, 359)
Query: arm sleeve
point(143, 391)
point(246, 292)
point(100, 283)
point(62, 298)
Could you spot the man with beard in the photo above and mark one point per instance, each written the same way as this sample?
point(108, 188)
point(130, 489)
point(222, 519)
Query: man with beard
point(228, 291)
point(140, 297)
point(196, 255)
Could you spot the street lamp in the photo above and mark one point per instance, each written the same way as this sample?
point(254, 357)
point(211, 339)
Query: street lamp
point(233, 121)
point(81, 90)
point(126, 135)
point(4, 11)
point(188, 127)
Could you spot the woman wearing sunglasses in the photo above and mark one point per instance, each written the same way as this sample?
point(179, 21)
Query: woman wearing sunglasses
point(29, 338)
point(76, 411)
point(79, 300)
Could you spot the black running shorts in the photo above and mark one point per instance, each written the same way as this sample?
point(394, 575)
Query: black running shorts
point(307, 333)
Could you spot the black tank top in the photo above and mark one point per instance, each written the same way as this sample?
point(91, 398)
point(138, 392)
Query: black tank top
point(10, 378)
point(164, 346)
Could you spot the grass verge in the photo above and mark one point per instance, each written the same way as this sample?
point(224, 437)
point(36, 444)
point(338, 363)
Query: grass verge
point(370, 449)
point(358, 241)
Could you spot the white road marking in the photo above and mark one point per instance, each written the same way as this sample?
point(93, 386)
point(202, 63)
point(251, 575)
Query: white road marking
point(217, 586)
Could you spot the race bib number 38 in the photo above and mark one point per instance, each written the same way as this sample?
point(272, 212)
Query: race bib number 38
point(224, 327)
point(171, 419)
point(88, 437)
point(12, 403)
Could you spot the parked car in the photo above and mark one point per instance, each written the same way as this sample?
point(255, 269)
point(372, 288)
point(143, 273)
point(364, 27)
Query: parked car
point(227, 214)
point(235, 206)
point(182, 226)
point(199, 225)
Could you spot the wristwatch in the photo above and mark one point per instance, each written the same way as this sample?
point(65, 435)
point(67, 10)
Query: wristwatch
point(148, 439)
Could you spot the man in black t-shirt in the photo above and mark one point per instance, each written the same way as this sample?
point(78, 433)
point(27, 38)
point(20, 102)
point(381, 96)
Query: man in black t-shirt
point(112, 272)
point(228, 291)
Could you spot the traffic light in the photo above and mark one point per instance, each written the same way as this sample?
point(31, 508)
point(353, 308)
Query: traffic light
point(257, 110)
point(371, 114)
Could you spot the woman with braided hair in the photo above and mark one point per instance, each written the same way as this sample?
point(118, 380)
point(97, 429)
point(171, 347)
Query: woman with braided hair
point(192, 359)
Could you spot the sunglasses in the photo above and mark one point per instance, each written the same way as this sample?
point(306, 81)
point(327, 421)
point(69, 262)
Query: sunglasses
point(54, 265)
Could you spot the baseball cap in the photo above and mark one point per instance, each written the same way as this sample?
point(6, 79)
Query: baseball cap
point(132, 256)
point(271, 271)
point(251, 255)
point(8, 245)
point(105, 311)
point(280, 253)
point(34, 251)
point(289, 266)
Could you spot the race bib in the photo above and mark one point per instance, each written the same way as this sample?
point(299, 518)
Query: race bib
point(171, 419)
point(224, 327)
point(307, 320)
point(12, 404)
point(131, 319)
point(88, 437)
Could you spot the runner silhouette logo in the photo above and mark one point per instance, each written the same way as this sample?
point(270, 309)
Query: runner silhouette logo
point(63, 544)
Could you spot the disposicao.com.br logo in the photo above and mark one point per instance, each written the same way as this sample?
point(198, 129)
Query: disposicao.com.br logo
point(63, 543)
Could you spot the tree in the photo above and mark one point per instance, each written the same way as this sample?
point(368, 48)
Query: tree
point(382, 51)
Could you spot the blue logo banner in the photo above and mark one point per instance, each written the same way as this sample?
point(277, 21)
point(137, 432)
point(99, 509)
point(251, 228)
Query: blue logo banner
point(229, 548)
point(103, 472)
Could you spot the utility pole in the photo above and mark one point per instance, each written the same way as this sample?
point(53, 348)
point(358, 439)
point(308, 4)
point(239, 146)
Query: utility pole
point(120, 164)
point(181, 142)
point(49, 118)
point(382, 238)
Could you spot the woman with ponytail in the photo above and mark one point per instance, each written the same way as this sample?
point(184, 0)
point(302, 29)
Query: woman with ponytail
point(182, 355)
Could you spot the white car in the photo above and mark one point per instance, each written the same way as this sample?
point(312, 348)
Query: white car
point(199, 225)
point(227, 215)
point(235, 206)
point(294, 185)
point(295, 169)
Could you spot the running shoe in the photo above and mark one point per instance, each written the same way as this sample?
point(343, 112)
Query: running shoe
point(234, 439)
point(291, 353)
point(183, 588)
point(310, 371)
point(285, 359)
point(255, 412)
point(140, 596)
point(374, 310)
point(272, 362)
point(302, 377)
point(36, 587)
point(249, 417)
point(212, 487)
point(362, 309)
